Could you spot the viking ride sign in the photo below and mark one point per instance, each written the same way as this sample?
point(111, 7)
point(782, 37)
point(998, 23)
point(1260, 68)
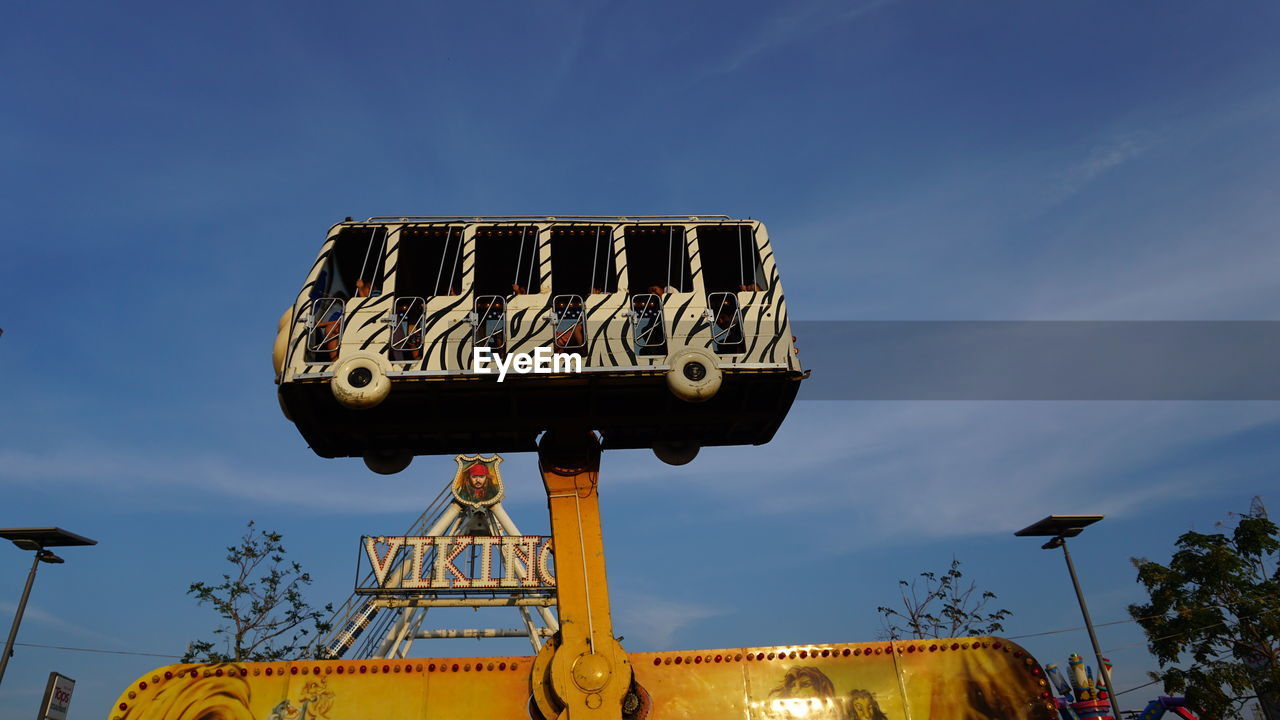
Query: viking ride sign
point(509, 564)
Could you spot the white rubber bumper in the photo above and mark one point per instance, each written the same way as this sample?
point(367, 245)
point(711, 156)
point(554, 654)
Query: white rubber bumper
point(695, 376)
point(360, 381)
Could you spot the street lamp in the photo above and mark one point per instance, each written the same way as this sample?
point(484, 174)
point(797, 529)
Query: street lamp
point(1059, 528)
point(35, 539)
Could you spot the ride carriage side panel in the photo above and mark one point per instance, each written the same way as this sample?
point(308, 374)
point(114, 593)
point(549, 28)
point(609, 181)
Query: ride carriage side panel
point(770, 308)
point(434, 292)
point(370, 302)
point(341, 298)
point(528, 294)
point(308, 305)
point(586, 305)
point(657, 279)
point(746, 309)
point(684, 303)
point(294, 324)
point(431, 332)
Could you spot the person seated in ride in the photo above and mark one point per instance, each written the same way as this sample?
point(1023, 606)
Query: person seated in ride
point(328, 330)
point(490, 311)
point(517, 289)
point(648, 319)
point(726, 318)
point(728, 331)
point(569, 310)
point(406, 340)
point(645, 303)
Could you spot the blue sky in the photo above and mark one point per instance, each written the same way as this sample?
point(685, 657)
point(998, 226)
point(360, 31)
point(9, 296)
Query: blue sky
point(170, 170)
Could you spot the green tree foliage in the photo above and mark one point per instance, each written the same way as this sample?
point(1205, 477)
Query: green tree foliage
point(265, 615)
point(941, 605)
point(1214, 617)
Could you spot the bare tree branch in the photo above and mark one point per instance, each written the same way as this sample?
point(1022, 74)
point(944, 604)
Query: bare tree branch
point(261, 602)
point(942, 605)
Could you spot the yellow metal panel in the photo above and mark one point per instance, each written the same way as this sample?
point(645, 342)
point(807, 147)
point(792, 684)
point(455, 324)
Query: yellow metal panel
point(955, 679)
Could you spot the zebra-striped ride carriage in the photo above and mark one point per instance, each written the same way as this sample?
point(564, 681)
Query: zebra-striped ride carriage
point(440, 335)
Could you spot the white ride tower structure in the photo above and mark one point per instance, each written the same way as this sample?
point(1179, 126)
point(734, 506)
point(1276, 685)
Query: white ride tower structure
point(387, 611)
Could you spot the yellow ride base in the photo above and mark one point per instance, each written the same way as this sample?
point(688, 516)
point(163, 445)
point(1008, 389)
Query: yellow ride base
point(953, 679)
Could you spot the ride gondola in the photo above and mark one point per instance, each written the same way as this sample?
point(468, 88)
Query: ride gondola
point(439, 335)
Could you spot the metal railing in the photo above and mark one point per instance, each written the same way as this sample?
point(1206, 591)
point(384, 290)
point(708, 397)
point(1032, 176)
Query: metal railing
point(646, 314)
point(407, 340)
point(570, 322)
point(490, 320)
point(726, 321)
point(325, 323)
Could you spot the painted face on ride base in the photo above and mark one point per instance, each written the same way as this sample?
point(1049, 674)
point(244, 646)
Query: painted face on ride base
point(805, 688)
point(862, 708)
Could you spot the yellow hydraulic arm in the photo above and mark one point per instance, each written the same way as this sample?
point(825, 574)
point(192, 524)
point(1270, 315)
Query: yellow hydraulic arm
point(583, 673)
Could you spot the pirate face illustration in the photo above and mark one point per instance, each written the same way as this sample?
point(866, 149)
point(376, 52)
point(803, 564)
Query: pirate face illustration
point(477, 482)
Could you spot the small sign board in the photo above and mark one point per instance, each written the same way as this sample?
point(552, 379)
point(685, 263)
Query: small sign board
point(57, 697)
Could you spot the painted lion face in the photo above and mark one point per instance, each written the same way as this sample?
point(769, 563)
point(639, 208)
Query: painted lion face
point(806, 693)
point(862, 708)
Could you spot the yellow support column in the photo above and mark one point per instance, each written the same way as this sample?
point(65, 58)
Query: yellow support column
point(584, 674)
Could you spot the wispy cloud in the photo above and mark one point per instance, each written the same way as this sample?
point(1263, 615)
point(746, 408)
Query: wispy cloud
point(163, 480)
point(653, 620)
point(882, 474)
point(35, 615)
point(1118, 227)
point(794, 22)
point(573, 20)
point(1106, 155)
point(145, 478)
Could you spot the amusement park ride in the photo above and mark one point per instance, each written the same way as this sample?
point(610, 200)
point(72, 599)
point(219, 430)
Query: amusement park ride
point(565, 336)
point(1083, 698)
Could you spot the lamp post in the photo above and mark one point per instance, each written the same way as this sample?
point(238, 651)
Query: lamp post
point(1059, 528)
point(35, 539)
